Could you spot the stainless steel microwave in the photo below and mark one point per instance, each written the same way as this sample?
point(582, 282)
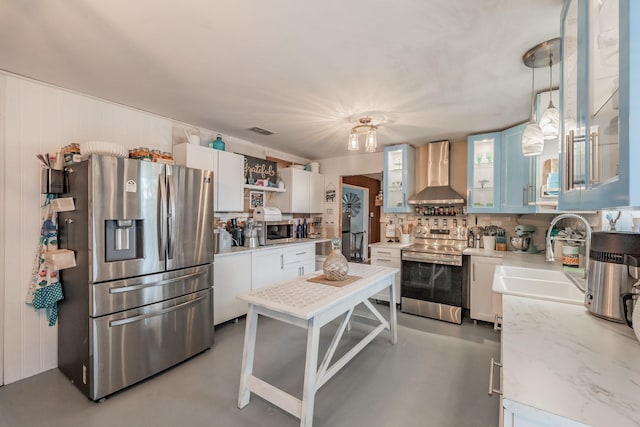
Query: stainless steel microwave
point(272, 232)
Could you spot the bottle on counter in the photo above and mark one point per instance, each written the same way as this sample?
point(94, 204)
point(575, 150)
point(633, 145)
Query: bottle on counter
point(304, 227)
point(470, 239)
point(299, 230)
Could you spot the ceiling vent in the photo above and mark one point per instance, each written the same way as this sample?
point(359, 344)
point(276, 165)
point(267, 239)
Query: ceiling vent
point(261, 131)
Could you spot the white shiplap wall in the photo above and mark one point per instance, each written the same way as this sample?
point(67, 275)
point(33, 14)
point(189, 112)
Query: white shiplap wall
point(37, 118)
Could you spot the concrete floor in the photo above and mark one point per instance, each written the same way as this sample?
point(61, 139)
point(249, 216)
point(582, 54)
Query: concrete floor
point(437, 375)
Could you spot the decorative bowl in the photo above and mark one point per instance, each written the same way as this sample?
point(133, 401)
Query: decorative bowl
point(520, 243)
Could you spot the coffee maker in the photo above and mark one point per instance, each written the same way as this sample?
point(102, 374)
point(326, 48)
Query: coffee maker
point(612, 282)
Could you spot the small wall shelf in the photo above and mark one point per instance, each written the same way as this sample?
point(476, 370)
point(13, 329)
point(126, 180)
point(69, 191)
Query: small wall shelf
point(263, 188)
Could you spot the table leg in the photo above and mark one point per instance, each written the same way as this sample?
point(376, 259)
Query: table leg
point(393, 314)
point(247, 357)
point(310, 368)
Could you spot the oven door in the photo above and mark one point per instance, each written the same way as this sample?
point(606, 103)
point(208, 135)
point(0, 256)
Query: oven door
point(429, 281)
point(432, 284)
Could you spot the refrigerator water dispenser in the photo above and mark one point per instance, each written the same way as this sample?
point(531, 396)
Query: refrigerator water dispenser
point(123, 239)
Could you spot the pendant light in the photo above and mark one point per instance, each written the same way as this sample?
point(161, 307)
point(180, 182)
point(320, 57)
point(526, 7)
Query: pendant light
point(532, 141)
point(541, 55)
point(550, 120)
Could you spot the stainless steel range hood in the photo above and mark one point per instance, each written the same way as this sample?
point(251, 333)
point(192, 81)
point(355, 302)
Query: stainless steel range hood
point(437, 191)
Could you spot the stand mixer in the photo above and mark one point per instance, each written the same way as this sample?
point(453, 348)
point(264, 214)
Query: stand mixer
point(526, 232)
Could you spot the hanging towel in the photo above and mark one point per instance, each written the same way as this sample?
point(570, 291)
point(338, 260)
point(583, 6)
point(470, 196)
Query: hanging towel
point(48, 298)
point(45, 289)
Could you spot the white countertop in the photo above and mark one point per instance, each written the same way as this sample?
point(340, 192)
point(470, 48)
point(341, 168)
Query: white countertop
point(561, 359)
point(390, 245)
point(241, 249)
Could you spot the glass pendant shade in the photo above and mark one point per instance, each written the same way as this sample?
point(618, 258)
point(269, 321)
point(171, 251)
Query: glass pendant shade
point(550, 122)
point(543, 54)
point(354, 143)
point(532, 142)
point(372, 143)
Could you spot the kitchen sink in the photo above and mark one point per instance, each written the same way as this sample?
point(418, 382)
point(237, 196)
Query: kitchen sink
point(533, 273)
point(537, 284)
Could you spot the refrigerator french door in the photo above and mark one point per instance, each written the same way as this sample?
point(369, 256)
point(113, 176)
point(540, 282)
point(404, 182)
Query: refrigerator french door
point(140, 299)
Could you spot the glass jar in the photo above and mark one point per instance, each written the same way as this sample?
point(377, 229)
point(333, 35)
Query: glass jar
point(335, 266)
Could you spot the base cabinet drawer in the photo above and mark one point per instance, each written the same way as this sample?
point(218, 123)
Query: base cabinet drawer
point(299, 253)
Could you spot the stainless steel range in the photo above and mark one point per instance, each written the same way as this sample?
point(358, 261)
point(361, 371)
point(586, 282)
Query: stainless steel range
point(433, 274)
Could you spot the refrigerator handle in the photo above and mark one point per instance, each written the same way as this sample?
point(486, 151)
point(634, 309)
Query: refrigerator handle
point(160, 208)
point(180, 306)
point(171, 216)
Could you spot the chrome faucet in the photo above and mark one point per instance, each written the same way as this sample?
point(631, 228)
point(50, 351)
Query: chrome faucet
point(549, 246)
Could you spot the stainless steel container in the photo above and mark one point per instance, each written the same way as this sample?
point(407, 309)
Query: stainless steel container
point(613, 272)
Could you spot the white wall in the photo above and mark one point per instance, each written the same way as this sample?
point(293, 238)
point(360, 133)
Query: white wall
point(39, 118)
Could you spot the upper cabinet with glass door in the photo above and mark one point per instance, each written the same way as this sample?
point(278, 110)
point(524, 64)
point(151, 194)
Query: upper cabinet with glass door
point(600, 104)
point(398, 177)
point(483, 183)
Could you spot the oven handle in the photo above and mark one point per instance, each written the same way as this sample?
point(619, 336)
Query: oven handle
point(155, 313)
point(443, 261)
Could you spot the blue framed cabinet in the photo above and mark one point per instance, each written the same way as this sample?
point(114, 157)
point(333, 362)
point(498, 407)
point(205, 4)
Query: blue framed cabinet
point(483, 172)
point(600, 104)
point(398, 178)
point(499, 178)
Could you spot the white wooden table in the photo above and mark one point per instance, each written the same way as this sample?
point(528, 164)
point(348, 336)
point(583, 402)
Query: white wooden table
point(312, 305)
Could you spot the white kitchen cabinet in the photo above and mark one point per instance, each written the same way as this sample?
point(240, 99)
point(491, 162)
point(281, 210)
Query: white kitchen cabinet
point(229, 182)
point(316, 192)
point(519, 415)
point(228, 173)
point(298, 260)
point(387, 257)
point(266, 268)
point(270, 266)
point(481, 282)
point(231, 277)
point(304, 191)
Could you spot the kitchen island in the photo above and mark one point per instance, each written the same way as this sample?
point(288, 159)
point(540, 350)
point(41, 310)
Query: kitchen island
point(310, 306)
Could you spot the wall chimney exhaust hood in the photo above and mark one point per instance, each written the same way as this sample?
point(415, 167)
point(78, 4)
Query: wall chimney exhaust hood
point(437, 191)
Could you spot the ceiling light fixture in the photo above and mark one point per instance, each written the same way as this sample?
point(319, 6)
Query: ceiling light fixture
point(365, 127)
point(545, 53)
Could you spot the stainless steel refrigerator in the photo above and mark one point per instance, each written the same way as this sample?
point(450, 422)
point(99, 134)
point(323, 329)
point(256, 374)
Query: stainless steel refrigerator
point(141, 297)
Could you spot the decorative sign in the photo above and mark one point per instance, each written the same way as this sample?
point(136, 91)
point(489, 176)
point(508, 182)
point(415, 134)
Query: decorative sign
point(260, 169)
point(330, 193)
point(256, 199)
